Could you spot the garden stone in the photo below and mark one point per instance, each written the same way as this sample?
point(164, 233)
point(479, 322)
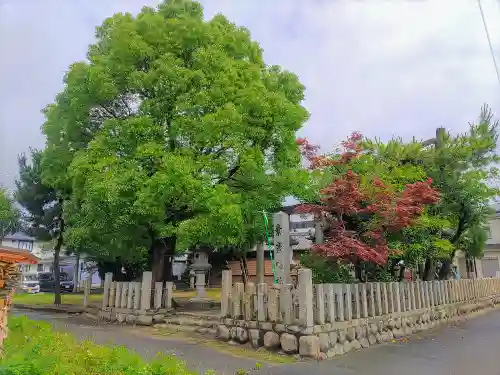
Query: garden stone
point(350, 333)
point(309, 346)
point(364, 342)
point(324, 342)
point(289, 343)
point(334, 336)
point(341, 336)
point(271, 340)
point(372, 339)
point(338, 349)
point(241, 335)
point(347, 346)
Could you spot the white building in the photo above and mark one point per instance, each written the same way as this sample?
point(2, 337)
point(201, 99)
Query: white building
point(489, 265)
point(45, 253)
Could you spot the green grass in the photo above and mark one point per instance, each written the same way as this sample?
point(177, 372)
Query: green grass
point(34, 348)
point(77, 299)
point(48, 298)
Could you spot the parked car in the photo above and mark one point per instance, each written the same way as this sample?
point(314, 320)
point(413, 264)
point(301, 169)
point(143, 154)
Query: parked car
point(30, 283)
point(47, 282)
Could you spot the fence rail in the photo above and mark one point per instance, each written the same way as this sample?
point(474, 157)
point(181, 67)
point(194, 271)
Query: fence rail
point(307, 304)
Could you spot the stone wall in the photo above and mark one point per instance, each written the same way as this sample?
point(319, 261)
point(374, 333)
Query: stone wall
point(326, 320)
point(138, 302)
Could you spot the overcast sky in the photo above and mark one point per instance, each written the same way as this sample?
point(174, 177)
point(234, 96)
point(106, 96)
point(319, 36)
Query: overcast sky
point(383, 67)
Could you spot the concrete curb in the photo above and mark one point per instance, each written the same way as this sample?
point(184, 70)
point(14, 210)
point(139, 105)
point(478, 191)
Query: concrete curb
point(63, 309)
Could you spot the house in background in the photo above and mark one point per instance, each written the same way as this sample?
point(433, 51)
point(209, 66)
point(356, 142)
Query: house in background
point(489, 264)
point(67, 263)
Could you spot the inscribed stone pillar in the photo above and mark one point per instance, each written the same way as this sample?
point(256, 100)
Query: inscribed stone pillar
point(339, 292)
point(108, 279)
point(147, 279)
point(348, 302)
point(378, 300)
point(261, 302)
point(413, 300)
point(364, 300)
point(118, 295)
point(385, 298)
point(306, 314)
point(237, 298)
point(330, 302)
point(373, 307)
point(287, 302)
point(112, 292)
point(88, 288)
point(273, 307)
point(282, 247)
point(397, 297)
point(169, 293)
point(137, 295)
point(158, 294)
point(123, 302)
point(320, 304)
point(227, 277)
point(357, 302)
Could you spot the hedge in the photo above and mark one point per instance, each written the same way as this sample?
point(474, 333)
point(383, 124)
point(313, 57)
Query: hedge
point(34, 348)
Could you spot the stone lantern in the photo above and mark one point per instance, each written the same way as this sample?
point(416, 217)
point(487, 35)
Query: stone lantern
point(200, 266)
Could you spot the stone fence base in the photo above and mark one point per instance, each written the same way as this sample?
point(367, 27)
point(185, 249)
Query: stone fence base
point(334, 339)
point(131, 316)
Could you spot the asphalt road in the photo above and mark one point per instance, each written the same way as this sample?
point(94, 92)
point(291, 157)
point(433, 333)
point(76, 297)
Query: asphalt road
point(472, 347)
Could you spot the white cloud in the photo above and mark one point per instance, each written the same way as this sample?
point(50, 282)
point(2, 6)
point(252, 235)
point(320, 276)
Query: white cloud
point(383, 67)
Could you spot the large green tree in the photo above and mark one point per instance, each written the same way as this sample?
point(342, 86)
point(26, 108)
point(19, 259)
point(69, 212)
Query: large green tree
point(464, 168)
point(9, 214)
point(174, 133)
point(42, 214)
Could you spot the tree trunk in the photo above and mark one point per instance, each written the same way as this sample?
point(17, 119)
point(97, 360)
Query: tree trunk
point(76, 274)
point(359, 272)
point(428, 270)
point(244, 269)
point(260, 263)
point(163, 255)
point(57, 271)
point(401, 276)
point(445, 269)
point(158, 261)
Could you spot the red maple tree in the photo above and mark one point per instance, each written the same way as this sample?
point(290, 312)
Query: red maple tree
point(361, 217)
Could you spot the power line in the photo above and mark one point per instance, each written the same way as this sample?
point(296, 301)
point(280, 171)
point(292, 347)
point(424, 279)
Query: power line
point(489, 39)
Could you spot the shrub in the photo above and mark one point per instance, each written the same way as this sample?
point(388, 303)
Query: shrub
point(34, 348)
point(326, 270)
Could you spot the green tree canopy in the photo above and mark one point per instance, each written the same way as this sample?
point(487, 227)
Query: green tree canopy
point(42, 214)
point(173, 134)
point(9, 214)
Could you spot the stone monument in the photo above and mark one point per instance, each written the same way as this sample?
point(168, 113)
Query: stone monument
point(200, 266)
point(282, 248)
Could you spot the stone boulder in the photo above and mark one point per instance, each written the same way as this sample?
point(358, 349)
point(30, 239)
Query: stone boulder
point(324, 342)
point(271, 340)
point(289, 343)
point(309, 346)
point(241, 335)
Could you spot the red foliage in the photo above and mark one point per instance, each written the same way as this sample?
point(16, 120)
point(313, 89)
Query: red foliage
point(382, 210)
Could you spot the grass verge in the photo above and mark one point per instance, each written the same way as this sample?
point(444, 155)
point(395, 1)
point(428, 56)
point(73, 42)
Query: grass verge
point(77, 299)
point(34, 348)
